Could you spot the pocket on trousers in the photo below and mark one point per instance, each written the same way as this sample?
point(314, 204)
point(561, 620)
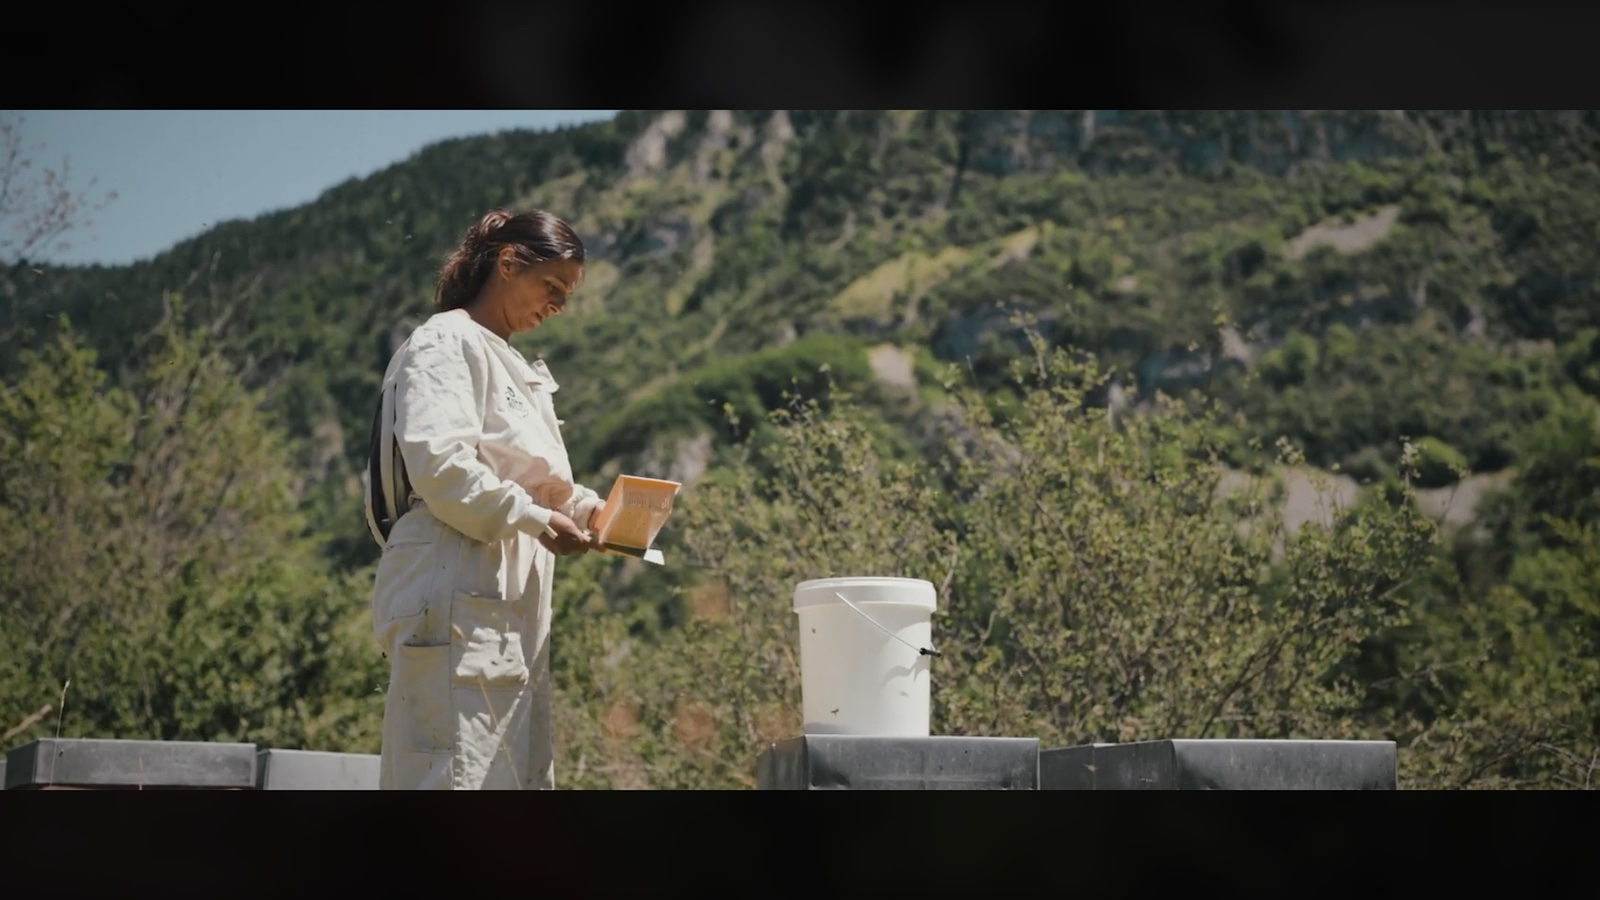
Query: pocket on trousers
point(487, 636)
point(421, 678)
point(403, 581)
point(477, 568)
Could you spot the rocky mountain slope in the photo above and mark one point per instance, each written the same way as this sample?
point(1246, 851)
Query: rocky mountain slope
point(1347, 279)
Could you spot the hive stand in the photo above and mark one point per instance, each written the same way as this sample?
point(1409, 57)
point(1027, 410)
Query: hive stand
point(312, 770)
point(1221, 765)
point(850, 762)
point(88, 764)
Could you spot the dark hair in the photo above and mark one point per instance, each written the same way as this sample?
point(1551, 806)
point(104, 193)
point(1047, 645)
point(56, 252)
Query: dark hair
point(535, 236)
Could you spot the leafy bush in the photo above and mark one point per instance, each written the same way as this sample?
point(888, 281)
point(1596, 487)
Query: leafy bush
point(1093, 586)
point(155, 571)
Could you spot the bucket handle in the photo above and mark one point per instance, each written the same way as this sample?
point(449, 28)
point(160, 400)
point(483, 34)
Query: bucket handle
point(921, 651)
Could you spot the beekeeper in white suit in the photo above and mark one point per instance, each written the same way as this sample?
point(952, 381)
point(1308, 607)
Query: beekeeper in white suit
point(471, 494)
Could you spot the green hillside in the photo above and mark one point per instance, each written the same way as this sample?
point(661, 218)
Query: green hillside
point(1354, 283)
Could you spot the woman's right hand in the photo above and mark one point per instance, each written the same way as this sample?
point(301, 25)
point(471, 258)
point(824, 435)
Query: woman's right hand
point(570, 540)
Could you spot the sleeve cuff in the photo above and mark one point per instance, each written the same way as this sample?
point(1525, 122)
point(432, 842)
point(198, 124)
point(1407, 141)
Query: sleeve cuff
point(537, 519)
point(584, 511)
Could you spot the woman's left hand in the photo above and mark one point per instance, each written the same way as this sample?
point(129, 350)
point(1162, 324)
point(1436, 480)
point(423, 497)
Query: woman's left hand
point(595, 544)
point(565, 538)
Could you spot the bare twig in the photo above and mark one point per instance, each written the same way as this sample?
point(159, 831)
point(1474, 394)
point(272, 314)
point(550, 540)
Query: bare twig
point(62, 709)
point(1520, 742)
point(27, 723)
point(732, 770)
point(1435, 669)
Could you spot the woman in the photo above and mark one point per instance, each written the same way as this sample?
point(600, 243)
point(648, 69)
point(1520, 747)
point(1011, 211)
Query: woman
point(468, 456)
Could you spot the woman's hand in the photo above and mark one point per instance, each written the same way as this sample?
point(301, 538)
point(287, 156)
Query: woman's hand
point(569, 539)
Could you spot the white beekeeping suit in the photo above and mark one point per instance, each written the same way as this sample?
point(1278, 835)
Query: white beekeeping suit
point(461, 599)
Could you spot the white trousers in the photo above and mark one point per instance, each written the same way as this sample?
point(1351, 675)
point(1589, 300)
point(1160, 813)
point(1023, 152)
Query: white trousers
point(466, 628)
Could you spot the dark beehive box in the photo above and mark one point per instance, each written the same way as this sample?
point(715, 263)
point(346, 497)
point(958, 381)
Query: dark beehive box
point(60, 763)
point(850, 762)
point(1221, 765)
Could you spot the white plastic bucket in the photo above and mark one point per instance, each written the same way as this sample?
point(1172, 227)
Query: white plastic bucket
point(865, 649)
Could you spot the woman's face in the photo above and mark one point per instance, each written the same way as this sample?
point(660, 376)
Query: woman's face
point(535, 293)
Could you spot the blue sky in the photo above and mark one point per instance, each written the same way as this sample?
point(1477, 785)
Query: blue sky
point(179, 172)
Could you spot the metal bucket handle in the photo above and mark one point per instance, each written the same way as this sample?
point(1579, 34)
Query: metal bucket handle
point(921, 651)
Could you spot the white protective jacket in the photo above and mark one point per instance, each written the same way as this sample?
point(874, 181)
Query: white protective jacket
point(469, 462)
